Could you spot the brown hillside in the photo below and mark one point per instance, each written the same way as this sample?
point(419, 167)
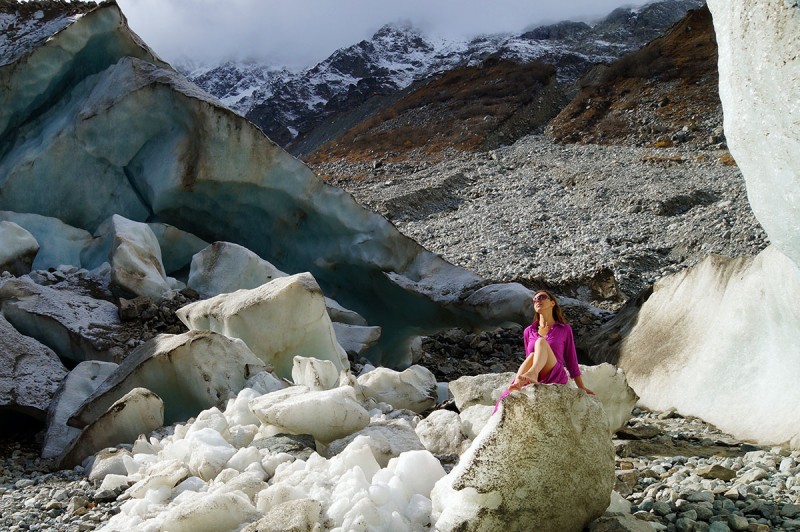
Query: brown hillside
point(467, 108)
point(662, 94)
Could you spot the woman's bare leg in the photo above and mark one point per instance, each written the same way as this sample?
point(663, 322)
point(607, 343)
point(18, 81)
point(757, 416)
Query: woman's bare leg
point(543, 360)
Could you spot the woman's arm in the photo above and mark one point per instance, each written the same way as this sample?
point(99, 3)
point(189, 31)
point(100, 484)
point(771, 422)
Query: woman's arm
point(571, 361)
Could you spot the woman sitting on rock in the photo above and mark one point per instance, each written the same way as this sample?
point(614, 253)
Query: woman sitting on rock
point(549, 349)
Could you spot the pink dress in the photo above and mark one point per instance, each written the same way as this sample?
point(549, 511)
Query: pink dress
point(563, 345)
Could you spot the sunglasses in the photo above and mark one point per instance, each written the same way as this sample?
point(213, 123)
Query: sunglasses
point(540, 297)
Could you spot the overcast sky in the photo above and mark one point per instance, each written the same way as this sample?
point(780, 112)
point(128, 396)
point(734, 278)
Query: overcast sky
point(303, 32)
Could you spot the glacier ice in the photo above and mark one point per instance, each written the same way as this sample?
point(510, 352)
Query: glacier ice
point(18, 249)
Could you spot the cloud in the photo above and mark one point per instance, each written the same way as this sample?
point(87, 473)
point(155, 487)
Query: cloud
point(303, 32)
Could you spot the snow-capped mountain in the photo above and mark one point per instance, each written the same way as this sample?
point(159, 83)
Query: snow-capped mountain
point(287, 104)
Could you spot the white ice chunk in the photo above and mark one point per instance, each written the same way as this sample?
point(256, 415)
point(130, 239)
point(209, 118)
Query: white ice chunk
point(314, 373)
point(440, 432)
point(18, 249)
point(224, 267)
point(412, 389)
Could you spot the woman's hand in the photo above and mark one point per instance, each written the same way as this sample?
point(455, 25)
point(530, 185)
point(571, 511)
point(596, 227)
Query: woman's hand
point(587, 390)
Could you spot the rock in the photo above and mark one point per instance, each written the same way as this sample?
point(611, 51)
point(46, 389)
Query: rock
point(327, 415)
point(224, 267)
point(479, 390)
point(134, 254)
point(670, 371)
point(76, 327)
point(474, 418)
point(440, 432)
point(18, 249)
point(30, 373)
point(137, 412)
point(716, 471)
point(737, 522)
point(413, 388)
point(107, 462)
point(59, 243)
point(497, 303)
point(79, 384)
point(572, 459)
point(638, 432)
point(356, 339)
point(300, 446)
point(386, 440)
point(618, 505)
point(301, 515)
point(611, 388)
point(278, 320)
point(619, 523)
point(189, 372)
point(314, 373)
point(177, 246)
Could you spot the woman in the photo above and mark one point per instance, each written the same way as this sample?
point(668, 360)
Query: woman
point(549, 349)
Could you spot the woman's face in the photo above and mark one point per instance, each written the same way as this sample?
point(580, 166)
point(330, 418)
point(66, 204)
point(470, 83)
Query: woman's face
point(542, 302)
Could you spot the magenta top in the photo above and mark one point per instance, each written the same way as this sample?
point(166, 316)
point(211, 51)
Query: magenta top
point(563, 345)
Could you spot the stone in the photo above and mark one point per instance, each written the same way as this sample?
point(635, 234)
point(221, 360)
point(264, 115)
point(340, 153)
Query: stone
point(386, 440)
point(79, 384)
point(638, 432)
point(300, 446)
point(440, 432)
point(479, 390)
point(225, 267)
point(30, 373)
point(314, 373)
point(611, 388)
point(497, 303)
point(327, 415)
point(619, 523)
point(18, 249)
point(278, 321)
point(75, 326)
point(618, 505)
point(190, 372)
point(301, 515)
point(737, 522)
point(790, 510)
point(139, 411)
point(356, 339)
point(716, 471)
point(561, 435)
point(718, 526)
point(413, 388)
point(135, 257)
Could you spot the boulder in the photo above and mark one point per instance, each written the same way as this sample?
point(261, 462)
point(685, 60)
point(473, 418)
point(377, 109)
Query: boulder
point(79, 384)
point(327, 415)
point(224, 267)
point(356, 339)
point(301, 515)
point(59, 243)
point(479, 389)
point(18, 249)
point(75, 326)
point(139, 411)
point(190, 372)
point(710, 364)
point(314, 373)
point(339, 314)
point(134, 254)
point(386, 439)
point(413, 388)
point(278, 321)
point(506, 302)
point(440, 432)
point(30, 373)
point(177, 246)
point(546, 445)
point(611, 388)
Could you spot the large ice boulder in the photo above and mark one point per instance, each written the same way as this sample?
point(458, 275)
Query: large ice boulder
point(413, 388)
point(314, 373)
point(440, 432)
point(545, 447)
point(59, 243)
point(760, 111)
point(742, 379)
point(611, 388)
point(327, 415)
point(134, 254)
point(18, 249)
point(75, 326)
point(278, 321)
point(79, 384)
point(189, 371)
point(225, 267)
point(30, 373)
point(139, 411)
point(356, 339)
point(177, 246)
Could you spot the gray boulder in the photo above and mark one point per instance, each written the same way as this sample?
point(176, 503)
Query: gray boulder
point(18, 249)
point(59, 243)
point(29, 373)
point(356, 339)
point(483, 389)
point(546, 448)
point(224, 267)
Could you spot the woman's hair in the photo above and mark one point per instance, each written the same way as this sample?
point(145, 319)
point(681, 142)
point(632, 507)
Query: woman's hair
point(558, 314)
